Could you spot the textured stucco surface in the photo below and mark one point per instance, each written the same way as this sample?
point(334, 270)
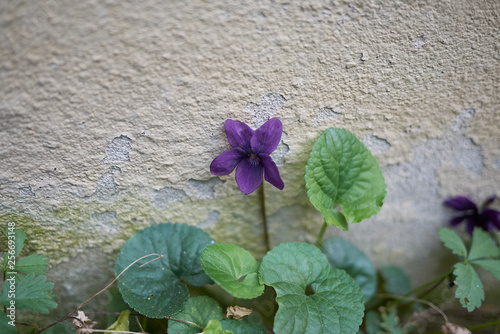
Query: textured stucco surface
point(111, 112)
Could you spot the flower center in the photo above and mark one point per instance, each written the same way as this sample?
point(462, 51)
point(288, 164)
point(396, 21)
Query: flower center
point(254, 158)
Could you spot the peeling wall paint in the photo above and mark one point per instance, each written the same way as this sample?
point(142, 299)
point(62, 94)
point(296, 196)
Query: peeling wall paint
point(111, 112)
point(118, 150)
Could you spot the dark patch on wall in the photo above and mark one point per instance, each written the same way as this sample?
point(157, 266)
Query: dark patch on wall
point(267, 108)
point(325, 114)
point(212, 219)
point(118, 150)
point(106, 187)
point(163, 197)
point(375, 144)
point(203, 189)
point(26, 192)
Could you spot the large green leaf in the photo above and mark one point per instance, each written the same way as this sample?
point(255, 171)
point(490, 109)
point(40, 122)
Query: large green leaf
point(197, 310)
point(5, 327)
point(493, 266)
point(470, 290)
point(215, 327)
point(157, 289)
point(453, 242)
point(344, 255)
point(234, 269)
point(395, 280)
point(34, 263)
point(241, 327)
point(31, 293)
point(341, 171)
point(482, 245)
point(335, 304)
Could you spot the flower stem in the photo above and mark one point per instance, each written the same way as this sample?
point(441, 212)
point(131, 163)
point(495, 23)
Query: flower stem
point(321, 233)
point(435, 282)
point(264, 218)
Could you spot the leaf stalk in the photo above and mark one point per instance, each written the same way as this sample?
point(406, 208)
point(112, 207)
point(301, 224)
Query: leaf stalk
point(321, 234)
point(264, 217)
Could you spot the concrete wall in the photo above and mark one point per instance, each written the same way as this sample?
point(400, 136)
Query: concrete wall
point(111, 112)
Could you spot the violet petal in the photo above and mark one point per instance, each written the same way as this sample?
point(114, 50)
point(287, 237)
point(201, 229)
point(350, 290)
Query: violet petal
point(461, 203)
point(470, 225)
point(249, 175)
point(238, 134)
point(267, 137)
point(227, 161)
point(271, 172)
point(492, 217)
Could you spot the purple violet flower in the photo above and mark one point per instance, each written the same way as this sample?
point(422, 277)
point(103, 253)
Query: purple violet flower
point(487, 219)
point(250, 152)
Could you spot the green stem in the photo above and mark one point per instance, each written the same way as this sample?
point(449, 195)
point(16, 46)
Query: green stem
point(321, 233)
point(487, 324)
point(264, 217)
point(234, 301)
point(435, 282)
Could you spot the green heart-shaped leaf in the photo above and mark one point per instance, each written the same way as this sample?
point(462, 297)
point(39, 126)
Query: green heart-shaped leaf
point(334, 304)
point(344, 255)
point(234, 269)
point(156, 289)
point(341, 171)
point(241, 327)
point(198, 311)
point(215, 327)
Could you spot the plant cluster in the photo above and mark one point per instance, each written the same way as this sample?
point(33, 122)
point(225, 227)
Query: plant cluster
point(178, 273)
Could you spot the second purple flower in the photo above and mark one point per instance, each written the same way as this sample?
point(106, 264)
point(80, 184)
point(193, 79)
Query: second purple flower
point(250, 152)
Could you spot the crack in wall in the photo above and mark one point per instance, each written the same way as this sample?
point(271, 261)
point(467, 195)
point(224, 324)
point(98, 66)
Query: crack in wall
point(325, 114)
point(375, 144)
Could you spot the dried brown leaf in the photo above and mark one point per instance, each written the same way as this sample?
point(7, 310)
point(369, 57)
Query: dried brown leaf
point(237, 312)
point(81, 322)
